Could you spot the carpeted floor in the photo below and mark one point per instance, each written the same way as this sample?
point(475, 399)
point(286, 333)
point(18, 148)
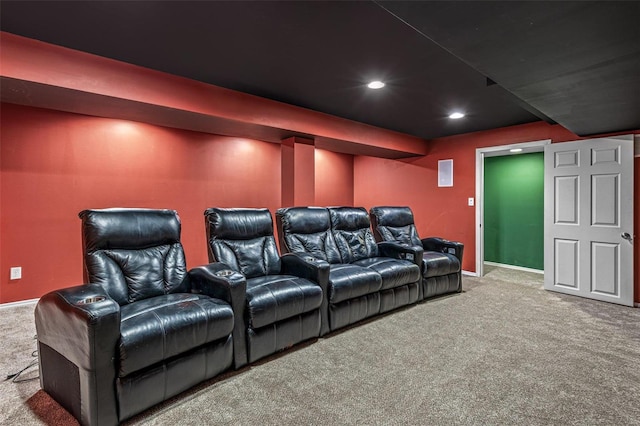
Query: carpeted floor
point(502, 352)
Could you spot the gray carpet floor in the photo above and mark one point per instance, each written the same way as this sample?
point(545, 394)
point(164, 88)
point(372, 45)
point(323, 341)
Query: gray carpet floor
point(502, 352)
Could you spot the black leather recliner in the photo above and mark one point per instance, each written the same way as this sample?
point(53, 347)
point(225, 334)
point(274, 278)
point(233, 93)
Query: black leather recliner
point(365, 279)
point(284, 295)
point(137, 334)
point(442, 259)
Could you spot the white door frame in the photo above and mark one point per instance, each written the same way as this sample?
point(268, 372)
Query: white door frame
point(494, 151)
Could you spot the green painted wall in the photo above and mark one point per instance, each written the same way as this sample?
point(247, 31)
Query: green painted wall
point(514, 209)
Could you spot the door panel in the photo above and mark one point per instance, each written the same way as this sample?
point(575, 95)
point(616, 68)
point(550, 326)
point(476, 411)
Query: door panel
point(566, 273)
point(567, 199)
point(603, 156)
point(588, 206)
point(567, 158)
point(604, 269)
point(604, 206)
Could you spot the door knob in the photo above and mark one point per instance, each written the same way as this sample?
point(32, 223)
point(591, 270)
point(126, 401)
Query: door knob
point(626, 236)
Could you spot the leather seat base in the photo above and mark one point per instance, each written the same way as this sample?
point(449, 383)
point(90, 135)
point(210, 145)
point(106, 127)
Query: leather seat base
point(281, 335)
point(393, 298)
point(148, 387)
point(434, 286)
point(353, 310)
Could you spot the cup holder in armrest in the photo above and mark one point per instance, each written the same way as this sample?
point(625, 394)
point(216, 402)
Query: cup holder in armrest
point(310, 259)
point(224, 273)
point(90, 300)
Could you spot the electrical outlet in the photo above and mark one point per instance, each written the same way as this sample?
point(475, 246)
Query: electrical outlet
point(470, 201)
point(16, 272)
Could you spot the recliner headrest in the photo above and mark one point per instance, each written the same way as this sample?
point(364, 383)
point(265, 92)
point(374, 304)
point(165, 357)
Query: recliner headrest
point(304, 220)
point(238, 223)
point(393, 216)
point(128, 228)
point(349, 218)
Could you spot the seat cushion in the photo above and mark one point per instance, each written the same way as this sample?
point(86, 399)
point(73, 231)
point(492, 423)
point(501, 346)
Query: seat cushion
point(436, 264)
point(394, 272)
point(158, 328)
point(347, 281)
point(272, 298)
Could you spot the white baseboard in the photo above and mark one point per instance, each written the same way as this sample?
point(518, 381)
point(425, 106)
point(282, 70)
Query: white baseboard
point(19, 303)
point(518, 268)
point(471, 274)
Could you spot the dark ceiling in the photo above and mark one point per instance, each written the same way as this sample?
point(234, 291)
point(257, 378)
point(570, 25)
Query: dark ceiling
point(502, 63)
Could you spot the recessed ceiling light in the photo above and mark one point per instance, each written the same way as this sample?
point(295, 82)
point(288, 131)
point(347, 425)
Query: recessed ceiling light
point(456, 115)
point(375, 85)
point(515, 150)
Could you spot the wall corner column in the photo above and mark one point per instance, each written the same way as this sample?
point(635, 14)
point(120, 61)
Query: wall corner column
point(298, 172)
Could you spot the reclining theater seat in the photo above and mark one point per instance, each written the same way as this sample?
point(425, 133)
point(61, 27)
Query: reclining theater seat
point(351, 229)
point(361, 284)
point(442, 259)
point(136, 335)
point(353, 291)
point(282, 307)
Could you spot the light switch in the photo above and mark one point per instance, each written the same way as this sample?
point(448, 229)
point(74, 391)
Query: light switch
point(471, 202)
point(15, 273)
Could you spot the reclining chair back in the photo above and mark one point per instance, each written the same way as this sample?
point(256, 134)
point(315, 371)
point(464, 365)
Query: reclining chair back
point(307, 230)
point(395, 224)
point(134, 254)
point(352, 233)
point(243, 239)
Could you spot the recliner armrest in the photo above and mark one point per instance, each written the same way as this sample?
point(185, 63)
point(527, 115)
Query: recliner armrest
point(443, 246)
point(220, 281)
point(82, 323)
point(401, 251)
point(305, 265)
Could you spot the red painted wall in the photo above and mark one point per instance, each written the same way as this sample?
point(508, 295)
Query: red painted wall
point(333, 178)
point(444, 211)
point(56, 164)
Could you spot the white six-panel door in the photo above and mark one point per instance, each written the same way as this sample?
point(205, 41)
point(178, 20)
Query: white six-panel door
point(588, 219)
